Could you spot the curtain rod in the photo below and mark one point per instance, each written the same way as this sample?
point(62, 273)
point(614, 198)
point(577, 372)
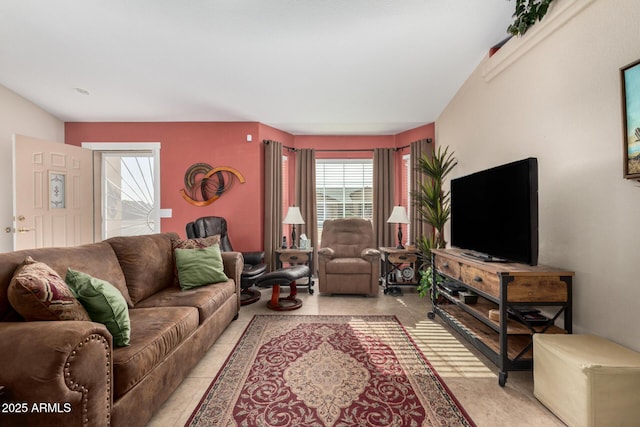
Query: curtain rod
point(429, 141)
point(370, 149)
point(337, 149)
point(346, 149)
point(267, 141)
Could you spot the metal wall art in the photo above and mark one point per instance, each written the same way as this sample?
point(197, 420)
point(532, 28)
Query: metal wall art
point(205, 184)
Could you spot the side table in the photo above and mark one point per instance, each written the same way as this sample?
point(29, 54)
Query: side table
point(399, 268)
point(297, 256)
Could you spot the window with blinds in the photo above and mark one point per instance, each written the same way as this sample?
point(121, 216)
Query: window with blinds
point(344, 189)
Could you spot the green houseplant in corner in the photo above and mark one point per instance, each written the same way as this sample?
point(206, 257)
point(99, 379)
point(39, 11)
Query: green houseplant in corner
point(434, 208)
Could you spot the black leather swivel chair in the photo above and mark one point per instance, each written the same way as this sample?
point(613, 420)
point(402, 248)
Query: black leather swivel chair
point(254, 266)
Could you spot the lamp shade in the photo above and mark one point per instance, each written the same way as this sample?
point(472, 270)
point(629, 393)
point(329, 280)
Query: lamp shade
point(398, 215)
point(293, 216)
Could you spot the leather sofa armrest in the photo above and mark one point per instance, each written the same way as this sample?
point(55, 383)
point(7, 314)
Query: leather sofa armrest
point(56, 373)
point(370, 254)
point(325, 253)
point(233, 265)
point(254, 257)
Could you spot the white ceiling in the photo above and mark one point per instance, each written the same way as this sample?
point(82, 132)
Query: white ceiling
point(339, 67)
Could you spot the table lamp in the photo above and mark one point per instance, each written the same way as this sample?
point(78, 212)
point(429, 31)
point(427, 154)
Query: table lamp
point(399, 216)
point(293, 217)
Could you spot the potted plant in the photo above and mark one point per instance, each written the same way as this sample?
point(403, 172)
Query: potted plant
point(527, 13)
point(434, 206)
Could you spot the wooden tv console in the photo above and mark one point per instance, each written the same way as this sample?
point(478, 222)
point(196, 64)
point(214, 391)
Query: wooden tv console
point(500, 286)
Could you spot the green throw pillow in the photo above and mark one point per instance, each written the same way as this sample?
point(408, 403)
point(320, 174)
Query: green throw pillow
point(104, 303)
point(201, 266)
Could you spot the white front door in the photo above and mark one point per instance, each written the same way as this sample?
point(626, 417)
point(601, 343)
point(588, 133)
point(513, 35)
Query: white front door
point(52, 194)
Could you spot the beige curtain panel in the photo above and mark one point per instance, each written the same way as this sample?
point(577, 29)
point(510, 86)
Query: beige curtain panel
point(418, 227)
point(383, 195)
point(306, 193)
point(272, 201)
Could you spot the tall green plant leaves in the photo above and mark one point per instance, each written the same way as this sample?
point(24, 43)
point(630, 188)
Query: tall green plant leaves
point(434, 205)
point(438, 165)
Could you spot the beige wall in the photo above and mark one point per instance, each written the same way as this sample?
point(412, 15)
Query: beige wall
point(17, 115)
point(554, 94)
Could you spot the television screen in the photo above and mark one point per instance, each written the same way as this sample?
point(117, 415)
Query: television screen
point(494, 212)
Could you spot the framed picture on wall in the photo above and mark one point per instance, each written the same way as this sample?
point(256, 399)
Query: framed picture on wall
point(630, 77)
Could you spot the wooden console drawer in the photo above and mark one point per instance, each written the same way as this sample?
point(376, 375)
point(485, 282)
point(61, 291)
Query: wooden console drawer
point(481, 280)
point(533, 289)
point(403, 259)
point(448, 267)
point(297, 258)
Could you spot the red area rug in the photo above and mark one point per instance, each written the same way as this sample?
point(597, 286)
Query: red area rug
point(289, 370)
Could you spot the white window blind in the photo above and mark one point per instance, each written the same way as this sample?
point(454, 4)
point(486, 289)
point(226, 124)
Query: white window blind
point(344, 189)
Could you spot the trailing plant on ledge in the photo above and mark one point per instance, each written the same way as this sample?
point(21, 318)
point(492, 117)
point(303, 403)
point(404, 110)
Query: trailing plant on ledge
point(527, 13)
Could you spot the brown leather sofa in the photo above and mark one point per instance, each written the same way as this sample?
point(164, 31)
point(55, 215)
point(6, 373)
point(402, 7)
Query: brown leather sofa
point(72, 366)
point(348, 262)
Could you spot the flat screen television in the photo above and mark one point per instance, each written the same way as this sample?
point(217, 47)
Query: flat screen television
point(494, 213)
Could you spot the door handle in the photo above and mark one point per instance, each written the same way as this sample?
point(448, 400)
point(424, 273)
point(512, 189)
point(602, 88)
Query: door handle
point(19, 230)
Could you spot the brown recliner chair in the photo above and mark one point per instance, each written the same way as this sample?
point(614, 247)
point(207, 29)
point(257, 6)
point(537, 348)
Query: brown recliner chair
point(254, 266)
point(348, 262)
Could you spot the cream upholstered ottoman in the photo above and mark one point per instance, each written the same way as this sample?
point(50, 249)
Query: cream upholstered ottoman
point(587, 380)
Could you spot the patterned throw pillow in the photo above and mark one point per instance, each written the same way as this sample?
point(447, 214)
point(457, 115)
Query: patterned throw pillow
point(37, 292)
point(197, 243)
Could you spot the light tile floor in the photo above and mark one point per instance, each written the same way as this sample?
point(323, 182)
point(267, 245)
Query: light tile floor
point(470, 377)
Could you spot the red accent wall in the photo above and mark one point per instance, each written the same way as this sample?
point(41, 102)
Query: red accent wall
point(406, 138)
point(416, 134)
point(225, 144)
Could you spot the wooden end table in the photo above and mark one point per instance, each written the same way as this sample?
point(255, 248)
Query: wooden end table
point(399, 268)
